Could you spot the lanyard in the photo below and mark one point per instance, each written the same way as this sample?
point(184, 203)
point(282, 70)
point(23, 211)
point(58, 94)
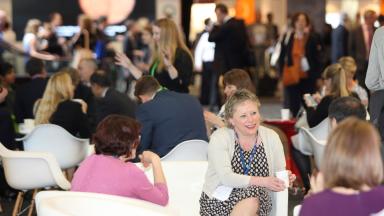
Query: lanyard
point(246, 166)
point(154, 68)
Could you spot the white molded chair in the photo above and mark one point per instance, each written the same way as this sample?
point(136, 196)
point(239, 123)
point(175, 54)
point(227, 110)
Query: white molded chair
point(317, 146)
point(185, 181)
point(67, 149)
point(64, 203)
point(190, 150)
point(308, 138)
point(296, 210)
point(31, 170)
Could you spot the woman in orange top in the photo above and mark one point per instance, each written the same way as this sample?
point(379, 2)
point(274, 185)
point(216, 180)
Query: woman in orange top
point(299, 62)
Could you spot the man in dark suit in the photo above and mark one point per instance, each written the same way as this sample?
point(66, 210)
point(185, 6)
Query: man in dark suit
point(359, 44)
point(340, 40)
point(27, 94)
point(109, 101)
point(231, 40)
point(167, 118)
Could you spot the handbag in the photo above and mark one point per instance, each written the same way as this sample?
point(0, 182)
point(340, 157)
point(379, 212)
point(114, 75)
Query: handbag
point(291, 76)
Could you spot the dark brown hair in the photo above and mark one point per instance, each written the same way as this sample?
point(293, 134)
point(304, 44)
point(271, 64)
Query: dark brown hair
point(296, 16)
point(146, 85)
point(116, 135)
point(239, 78)
point(222, 8)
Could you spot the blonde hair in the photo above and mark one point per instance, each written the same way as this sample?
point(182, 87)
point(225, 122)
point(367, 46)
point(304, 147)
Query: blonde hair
point(32, 26)
point(349, 65)
point(85, 23)
point(170, 38)
point(336, 74)
point(237, 98)
point(59, 89)
point(352, 156)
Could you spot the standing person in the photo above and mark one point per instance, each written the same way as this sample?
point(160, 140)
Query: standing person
point(168, 118)
point(272, 30)
point(299, 62)
point(350, 175)
point(172, 62)
point(340, 40)
point(204, 56)
point(359, 44)
point(375, 82)
point(109, 171)
point(242, 157)
point(230, 36)
point(31, 42)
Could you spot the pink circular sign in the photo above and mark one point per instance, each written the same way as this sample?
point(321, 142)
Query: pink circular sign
point(115, 10)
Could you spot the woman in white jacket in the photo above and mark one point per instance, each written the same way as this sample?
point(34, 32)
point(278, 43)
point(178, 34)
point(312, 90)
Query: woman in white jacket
point(242, 159)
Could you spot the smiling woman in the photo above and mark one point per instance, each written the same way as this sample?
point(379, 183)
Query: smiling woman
point(242, 159)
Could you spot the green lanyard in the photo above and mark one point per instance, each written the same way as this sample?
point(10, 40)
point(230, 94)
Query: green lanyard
point(154, 67)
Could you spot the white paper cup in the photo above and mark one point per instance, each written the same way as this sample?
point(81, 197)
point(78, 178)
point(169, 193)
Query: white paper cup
point(283, 175)
point(29, 123)
point(285, 114)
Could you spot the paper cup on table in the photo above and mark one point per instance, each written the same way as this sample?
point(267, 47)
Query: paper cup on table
point(285, 114)
point(29, 124)
point(283, 175)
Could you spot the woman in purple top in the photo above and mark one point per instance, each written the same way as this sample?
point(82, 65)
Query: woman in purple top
point(108, 171)
point(351, 173)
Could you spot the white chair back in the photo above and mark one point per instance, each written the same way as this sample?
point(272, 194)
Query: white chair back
point(316, 145)
point(31, 170)
point(190, 150)
point(67, 149)
point(322, 130)
point(303, 140)
point(64, 203)
point(185, 181)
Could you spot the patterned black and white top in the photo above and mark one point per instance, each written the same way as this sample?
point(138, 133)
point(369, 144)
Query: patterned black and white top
point(258, 167)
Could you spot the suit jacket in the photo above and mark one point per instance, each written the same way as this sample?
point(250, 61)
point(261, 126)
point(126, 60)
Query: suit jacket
point(356, 46)
point(169, 119)
point(232, 45)
point(69, 115)
point(85, 93)
point(26, 96)
point(114, 102)
point(339, 43)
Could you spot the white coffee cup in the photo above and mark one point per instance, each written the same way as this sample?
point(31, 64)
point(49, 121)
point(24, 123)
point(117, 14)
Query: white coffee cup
point(29, 123)
point(283, 175)
point(285, 114)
